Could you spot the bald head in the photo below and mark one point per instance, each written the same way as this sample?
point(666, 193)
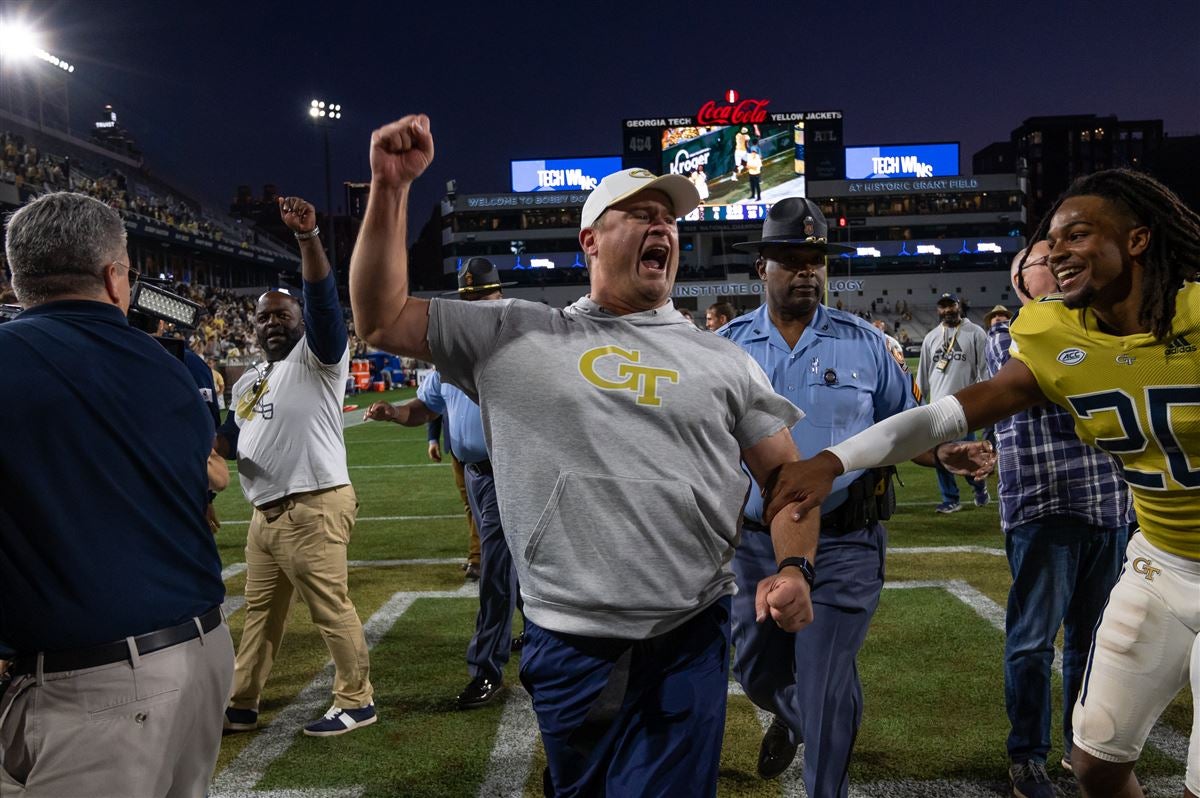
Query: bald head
point(278, 324)
point(1039, 280)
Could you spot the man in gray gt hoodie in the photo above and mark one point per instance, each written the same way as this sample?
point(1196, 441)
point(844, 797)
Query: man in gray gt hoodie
point(623, 535)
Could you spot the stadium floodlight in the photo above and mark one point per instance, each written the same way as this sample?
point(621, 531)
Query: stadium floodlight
point(17, 40)
point(324, 110)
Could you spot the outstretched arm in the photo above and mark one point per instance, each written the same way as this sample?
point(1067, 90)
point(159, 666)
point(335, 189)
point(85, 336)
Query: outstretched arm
point(384, 313)
point(412, 413)
point(905, 436)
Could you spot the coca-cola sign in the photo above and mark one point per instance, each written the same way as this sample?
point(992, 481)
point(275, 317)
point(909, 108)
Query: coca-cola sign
point(734, 112)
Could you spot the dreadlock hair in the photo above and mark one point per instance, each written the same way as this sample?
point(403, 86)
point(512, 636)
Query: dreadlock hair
point(1173, 254)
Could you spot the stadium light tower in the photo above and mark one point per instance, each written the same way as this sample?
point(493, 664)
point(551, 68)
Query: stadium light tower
point(324, 114)
point(21, 43)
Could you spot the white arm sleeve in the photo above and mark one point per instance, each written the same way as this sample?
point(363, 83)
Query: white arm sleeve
point(903, 436)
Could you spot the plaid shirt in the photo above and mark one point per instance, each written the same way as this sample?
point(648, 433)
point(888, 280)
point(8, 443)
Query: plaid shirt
point(1045, 469)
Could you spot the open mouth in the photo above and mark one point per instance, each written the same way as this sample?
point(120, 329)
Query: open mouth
point(654, 258)
point(1069, 277)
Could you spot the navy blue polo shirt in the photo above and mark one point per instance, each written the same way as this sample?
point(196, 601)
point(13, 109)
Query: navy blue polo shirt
point(103, 482)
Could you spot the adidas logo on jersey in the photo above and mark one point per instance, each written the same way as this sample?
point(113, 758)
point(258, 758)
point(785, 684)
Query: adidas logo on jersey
point(1179, 345)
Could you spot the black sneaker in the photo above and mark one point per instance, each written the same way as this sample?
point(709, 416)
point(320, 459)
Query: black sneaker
point(518, 643)
point(479, 692)
point(1030, 780)
point(777, 750)
point(473, 572)
point(240, 720)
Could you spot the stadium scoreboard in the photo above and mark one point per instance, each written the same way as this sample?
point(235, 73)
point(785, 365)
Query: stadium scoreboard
point(712, 147)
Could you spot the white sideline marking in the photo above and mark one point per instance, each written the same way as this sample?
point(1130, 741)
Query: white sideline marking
point(233, 570)
point(233, 466)
point(335, 792)
point(273, 740)
point(946, 550)
point(512, 754)
point(372, 518)
point(1170, 742)
point(516, 735)
point(234, 603)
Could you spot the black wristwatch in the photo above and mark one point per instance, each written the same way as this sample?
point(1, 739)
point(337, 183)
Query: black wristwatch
point(803, 564)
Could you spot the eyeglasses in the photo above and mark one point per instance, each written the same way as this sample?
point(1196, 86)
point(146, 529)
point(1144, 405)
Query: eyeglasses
point(134, 274)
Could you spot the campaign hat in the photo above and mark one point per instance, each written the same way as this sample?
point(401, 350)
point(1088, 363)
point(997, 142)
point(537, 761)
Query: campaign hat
point(478, 275)
point(795, 222)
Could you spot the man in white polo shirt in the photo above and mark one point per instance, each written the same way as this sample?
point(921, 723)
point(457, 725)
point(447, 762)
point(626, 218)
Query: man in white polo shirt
point(285, 429)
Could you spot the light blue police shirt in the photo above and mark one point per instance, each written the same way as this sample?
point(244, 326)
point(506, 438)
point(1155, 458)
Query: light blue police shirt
point(840, 374)
point(466, 424)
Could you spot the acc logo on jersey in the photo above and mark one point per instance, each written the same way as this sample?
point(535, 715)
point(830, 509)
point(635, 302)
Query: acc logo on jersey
point(1071, 357)
point(642, 380)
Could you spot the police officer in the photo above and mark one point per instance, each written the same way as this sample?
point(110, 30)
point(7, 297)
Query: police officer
point(488, 652)
point(839, 370)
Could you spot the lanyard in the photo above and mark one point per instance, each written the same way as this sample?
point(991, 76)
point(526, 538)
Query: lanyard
point(947, 348)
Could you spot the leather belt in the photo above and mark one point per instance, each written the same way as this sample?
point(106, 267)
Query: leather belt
point(271, 505)
point(107, 653)
point(482, 467)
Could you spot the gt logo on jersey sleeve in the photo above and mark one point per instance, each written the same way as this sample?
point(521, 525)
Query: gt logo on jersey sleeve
point(596, 363)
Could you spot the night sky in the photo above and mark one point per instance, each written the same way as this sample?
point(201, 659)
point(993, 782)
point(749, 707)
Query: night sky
point(217, 92)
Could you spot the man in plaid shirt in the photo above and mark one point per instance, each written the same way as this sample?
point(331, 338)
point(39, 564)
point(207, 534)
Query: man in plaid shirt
point(1065, 509)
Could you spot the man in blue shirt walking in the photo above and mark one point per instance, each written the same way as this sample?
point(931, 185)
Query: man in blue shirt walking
point(498, 594)
point(839, 370)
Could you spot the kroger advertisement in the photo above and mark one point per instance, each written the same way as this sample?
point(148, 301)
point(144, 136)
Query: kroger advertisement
point(902, 160)
point(562, 174)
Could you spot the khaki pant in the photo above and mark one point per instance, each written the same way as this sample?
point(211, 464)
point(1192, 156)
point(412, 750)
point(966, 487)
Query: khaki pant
point(300, 546)
point(149, 728)
point(473, 550)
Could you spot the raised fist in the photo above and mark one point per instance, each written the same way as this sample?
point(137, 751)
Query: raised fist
point(401, 151)
point(299, 215)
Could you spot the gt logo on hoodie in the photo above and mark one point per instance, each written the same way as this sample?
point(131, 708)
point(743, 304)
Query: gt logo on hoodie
point(641, 380)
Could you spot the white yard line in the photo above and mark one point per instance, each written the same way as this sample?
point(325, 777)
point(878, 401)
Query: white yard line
point(371, 519)
point(511, 758)
point(273, 741)
point(945, 550)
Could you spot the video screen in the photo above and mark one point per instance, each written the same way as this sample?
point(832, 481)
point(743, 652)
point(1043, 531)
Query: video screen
point(755, 164)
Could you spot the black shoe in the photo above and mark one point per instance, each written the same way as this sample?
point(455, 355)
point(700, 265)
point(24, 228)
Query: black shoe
point(776, 751)
point(518, 643)
point(473, 572)
point(479, 692)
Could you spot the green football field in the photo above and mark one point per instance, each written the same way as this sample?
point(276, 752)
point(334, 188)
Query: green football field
point(934, 721)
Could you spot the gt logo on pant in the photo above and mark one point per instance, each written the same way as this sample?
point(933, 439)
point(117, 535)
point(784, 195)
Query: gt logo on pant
point(642, 380)
point(1143, 566)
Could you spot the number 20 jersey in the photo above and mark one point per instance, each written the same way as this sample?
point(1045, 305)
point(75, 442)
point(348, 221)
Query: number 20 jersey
point(1133, 396)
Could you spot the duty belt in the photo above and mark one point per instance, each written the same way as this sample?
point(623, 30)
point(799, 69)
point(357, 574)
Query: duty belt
point(483, 467)
point(78, 659)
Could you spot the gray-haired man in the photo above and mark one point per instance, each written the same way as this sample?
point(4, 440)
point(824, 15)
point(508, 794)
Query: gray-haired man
point(110, 581)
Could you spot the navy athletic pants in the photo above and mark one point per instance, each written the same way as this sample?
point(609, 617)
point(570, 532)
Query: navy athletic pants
point(665, 740)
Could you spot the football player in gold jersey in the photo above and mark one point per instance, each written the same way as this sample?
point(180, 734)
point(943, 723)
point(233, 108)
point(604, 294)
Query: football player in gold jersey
point(1118, 349)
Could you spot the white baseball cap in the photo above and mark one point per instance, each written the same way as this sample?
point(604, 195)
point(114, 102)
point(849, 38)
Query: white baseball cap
point(621, 185)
